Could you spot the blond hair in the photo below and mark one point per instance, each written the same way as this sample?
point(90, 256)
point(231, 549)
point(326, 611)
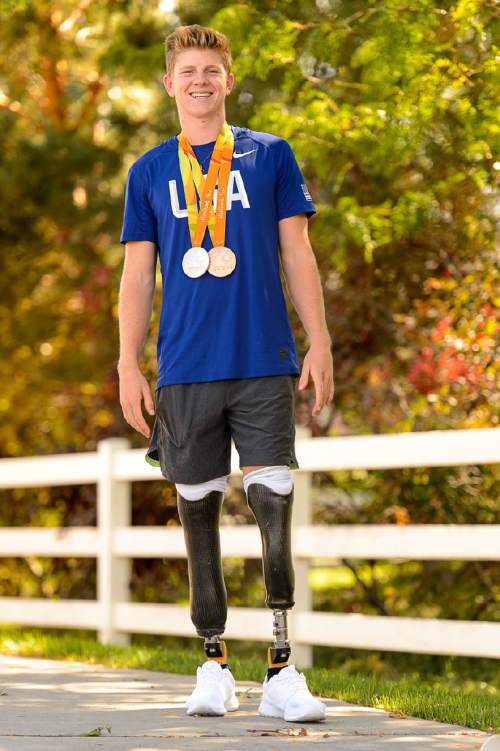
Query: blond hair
point(196, 37)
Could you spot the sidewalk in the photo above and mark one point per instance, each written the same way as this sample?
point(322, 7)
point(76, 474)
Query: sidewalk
point(51, 705)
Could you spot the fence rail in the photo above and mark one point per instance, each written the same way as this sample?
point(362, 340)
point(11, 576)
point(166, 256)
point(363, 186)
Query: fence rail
point(114, 542)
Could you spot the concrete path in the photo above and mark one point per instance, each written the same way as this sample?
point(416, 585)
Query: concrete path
point(49, 705)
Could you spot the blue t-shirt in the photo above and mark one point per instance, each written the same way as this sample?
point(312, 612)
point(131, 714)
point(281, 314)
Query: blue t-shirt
point(236, 326)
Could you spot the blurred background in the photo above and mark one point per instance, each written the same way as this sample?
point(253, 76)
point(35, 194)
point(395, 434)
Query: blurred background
point(391, 108)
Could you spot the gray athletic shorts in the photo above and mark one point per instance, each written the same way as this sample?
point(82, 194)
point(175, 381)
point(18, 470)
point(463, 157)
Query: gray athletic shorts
point(194, 423)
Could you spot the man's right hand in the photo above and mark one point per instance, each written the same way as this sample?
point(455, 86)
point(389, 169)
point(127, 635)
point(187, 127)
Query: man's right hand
point(133, 389)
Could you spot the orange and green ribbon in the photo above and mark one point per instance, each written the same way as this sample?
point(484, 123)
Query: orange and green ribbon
point(193, 180)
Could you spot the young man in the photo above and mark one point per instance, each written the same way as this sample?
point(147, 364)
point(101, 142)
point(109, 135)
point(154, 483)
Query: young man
point(227, 363)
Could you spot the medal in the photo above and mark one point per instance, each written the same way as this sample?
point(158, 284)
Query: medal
point(220, 260)
point(195, 262)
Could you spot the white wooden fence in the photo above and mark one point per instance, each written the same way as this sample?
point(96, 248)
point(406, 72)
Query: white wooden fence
point(114, 542)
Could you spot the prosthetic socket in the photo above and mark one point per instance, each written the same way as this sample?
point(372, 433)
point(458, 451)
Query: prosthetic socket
point(207, 591)
point(208, 598)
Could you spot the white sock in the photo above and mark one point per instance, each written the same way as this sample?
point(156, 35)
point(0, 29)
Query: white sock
point(277, 477)
point(195, 492)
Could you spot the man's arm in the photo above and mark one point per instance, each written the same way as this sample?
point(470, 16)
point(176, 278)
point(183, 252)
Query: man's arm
point(135, 304)
point(304, 287)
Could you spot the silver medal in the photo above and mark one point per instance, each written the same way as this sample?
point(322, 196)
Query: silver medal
point(195, 262)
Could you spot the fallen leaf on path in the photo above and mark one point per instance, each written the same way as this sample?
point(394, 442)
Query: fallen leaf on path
point(97, 731)
point(294, 732)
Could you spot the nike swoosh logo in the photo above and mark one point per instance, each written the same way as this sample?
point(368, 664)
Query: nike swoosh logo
point(237, 156)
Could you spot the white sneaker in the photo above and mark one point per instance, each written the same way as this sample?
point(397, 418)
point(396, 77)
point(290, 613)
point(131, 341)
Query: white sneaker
point(215, 692)
point(286, 696)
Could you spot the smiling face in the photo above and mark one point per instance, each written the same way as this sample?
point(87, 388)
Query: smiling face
point(199, 83)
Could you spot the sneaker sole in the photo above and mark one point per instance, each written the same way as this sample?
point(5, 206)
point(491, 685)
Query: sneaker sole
point(266, 709)
point(204, 708)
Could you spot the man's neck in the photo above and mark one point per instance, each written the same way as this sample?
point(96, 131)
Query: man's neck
point(199, 131)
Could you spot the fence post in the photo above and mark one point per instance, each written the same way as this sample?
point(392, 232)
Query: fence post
point(113, 510)
point(302, 654)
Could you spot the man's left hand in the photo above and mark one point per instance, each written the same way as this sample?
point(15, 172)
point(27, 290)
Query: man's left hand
point(318, 363)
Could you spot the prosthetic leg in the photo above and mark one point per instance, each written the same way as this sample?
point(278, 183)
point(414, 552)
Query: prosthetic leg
point(273, 513)
point(207, 591)
point(215, 690)
point(284, 691)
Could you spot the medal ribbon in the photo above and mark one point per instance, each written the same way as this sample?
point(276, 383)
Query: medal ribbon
point(220, 165)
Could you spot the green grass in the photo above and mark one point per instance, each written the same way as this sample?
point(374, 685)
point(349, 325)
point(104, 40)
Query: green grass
point(474, 704)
